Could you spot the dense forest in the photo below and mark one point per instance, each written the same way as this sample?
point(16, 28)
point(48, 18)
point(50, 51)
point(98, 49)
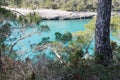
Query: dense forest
point(70, 5)
point(68, 55)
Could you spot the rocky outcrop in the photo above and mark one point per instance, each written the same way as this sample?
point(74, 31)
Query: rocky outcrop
point(51, 14)
point(64, 15)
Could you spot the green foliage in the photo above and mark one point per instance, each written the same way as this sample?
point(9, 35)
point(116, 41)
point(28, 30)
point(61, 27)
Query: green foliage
point(45, 39)
point(91, 25)
point(58, 36)
point(66, 37)
point(116, 52)
point(116, 5)
point(102, 59)
point(6, 14)
point(43, 28)
point(71, 5)
point(83, 39)
point(115, 25)
point(76, 68)
point(31, 18)
point(4, 32)
point(75, 56)
point(88, 70)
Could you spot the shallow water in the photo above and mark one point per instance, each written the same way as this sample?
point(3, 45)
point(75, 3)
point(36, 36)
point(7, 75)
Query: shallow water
point(23, 47)
point(55, 26)
point(64, 25)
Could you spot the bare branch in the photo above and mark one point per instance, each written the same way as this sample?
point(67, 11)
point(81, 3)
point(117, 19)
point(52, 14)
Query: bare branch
point(88, 45)
point(58, 56)
point(21, 38)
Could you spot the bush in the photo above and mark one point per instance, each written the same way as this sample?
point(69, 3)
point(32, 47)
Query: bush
point(32, 18)
point(67, 36)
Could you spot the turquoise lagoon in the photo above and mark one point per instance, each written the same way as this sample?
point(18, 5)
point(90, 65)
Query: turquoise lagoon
point(23, 47)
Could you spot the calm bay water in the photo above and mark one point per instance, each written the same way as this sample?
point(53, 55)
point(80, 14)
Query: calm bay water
point(24, 46)
point(63, 26)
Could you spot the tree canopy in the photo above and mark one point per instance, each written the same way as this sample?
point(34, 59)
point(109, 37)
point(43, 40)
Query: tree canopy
point(71, 5)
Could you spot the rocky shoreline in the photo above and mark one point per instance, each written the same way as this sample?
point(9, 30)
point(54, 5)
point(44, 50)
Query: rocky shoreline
point(51, 14)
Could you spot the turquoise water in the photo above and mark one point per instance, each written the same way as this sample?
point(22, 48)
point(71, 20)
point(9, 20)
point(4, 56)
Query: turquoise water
point(24, 48)
point(63, 26)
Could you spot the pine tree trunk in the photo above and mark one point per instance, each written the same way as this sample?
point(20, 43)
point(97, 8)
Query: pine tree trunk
point(103, 50)
point(0, 60)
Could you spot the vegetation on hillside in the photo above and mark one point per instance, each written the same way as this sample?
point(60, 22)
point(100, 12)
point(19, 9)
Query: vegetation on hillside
point(70, 5)
point(6, 14)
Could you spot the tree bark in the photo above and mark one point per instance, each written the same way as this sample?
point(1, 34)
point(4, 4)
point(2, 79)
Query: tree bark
point(0, 60)
point(103, 51)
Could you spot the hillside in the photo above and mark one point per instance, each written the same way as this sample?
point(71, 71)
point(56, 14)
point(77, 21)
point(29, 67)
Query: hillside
point(69, 5)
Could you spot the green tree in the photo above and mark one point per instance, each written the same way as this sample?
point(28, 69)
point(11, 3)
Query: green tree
point(103, 50)
point(58, 36)
point(67, 36)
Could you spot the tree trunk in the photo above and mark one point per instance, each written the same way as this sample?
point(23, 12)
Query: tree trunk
point(0, 60)
point(103, 51)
